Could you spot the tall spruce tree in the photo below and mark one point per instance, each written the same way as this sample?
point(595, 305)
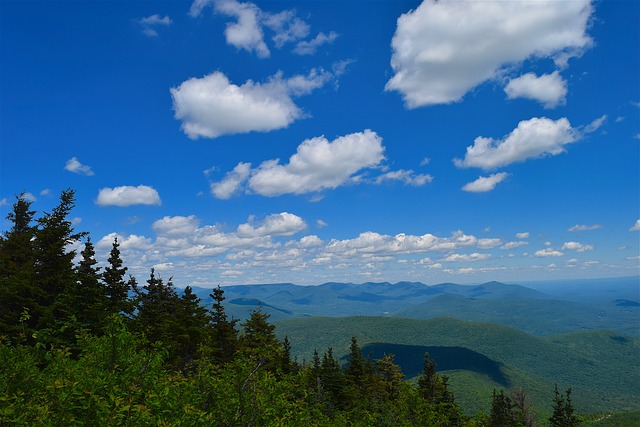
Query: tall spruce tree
point(88, 295)
point(18, 290)
point(194, 321)
point(116, 287)
point(563, 411)
point(391, 377)
point(502, 411)
point(224, 336)
point(55, 272)
point(259, 341)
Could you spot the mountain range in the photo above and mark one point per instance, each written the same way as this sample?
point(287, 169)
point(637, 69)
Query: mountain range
point(540, 308)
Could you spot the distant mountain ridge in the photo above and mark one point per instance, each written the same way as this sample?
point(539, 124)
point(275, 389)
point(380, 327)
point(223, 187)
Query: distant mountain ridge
point(612, 304)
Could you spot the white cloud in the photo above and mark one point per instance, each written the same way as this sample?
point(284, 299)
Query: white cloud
point(374, 243)
point(212, 106)
point(231, 182)
point(150, 23)
point(287, 26)
point(197, 6)
point(310, 241)
point(524, 235)
point(317, 165)
point(467, 257)
point(595, 125)
point(29, 197)
point(548, 89)
point(74, 166)
point(485, 183)
point(127, 243)
point(444, 48)
point(321, 224)
point(309, 47)
point(4, 202)
point(582, 227)
point(532, 138)
point(128, 195)
point(246, 32)
point(576, 246)
point(176, 225)
point(489, 243)
point(513, 245)
point(547, 253)
point(282, 224)
point(636, 226)
point(406, 176)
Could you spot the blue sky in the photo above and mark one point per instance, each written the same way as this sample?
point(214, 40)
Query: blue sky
point(229, 142)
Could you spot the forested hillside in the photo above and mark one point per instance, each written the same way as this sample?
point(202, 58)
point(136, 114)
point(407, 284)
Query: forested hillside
point(601, 366)
point(85, 345)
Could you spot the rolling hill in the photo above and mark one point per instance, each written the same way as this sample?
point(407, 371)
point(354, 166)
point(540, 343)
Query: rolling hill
point(602, 367)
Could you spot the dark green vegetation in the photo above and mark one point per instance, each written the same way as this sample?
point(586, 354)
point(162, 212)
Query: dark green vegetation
point(602, 367)
point(84, 345)
point(550, 308)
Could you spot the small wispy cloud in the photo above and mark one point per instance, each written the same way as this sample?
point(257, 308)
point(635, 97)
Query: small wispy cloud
point(150, 24)
point(485, 183)
point(582, 227)
point(73, 165)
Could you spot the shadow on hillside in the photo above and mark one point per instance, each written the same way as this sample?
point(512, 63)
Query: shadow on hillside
point(410, 359)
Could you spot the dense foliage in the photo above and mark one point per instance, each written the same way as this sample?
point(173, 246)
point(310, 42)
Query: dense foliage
point(85, 347)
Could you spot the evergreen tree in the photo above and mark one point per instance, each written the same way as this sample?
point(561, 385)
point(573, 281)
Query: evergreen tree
point(86, 299)
point(259, 341)
point(563, 411)
point(18, 290)
point(194, 320)
point(502, 411)
point(358, 367)
point(391, 377)
point(55, 272)
point(224, 336)
point(116, 288)
point(157, 307)
point(286, 362)
point(332, 379)
point(178, 322)
point(431, 386)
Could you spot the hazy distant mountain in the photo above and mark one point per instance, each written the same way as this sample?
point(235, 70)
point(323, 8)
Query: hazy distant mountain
point(544, 308)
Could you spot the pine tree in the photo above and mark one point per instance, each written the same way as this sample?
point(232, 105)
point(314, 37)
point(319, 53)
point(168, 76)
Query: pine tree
point(18, 291)
point(502, 411)
point(55, 272)
point(357, 367)
point(563, 411)
point(260, 342)
point(332, 379)
point(86, 299)
point(391, 376)
point(224, 336)
point(116, 288)
point(194, 319)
